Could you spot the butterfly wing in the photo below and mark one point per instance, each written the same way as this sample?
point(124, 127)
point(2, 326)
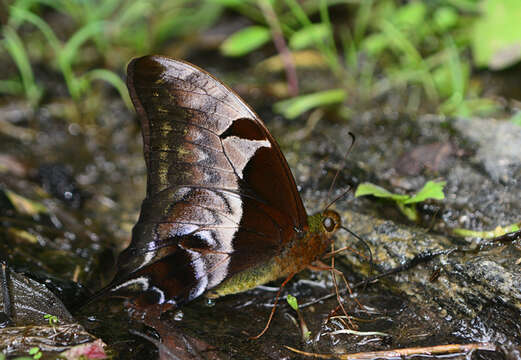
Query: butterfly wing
point(220, 195)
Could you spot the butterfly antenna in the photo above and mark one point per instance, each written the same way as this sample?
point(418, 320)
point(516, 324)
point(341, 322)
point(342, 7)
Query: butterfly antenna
point(338, 198)
point(331, 187)
point(359, 238)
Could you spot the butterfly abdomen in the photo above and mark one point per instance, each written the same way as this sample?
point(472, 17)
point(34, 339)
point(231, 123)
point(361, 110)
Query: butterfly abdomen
point(298, 254)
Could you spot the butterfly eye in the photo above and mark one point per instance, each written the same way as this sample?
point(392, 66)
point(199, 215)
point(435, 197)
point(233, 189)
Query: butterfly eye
point(329, 223)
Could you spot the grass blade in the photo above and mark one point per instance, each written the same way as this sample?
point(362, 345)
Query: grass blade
point(70, 51)
point(245, 41)
point(294, 107)
point(20, 15)
point(114, 80)
point(14, 46)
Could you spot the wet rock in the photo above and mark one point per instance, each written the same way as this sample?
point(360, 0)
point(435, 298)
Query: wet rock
point(434, 157)
point(498, 146)
point(32, 302)
point(19, 340)
point(34, 317)
point(470, 281)
point(471, 294)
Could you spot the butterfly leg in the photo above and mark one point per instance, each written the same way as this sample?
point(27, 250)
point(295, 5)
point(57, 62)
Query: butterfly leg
point(338, 251)
point(320, 266)
point(290, 276)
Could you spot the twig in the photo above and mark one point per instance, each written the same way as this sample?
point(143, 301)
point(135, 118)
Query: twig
point(508, 237)
point(398, 353)
point(355, 332)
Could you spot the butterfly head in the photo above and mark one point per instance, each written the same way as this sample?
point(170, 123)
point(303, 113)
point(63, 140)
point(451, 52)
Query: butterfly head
point(325, 223)
point(331, 222)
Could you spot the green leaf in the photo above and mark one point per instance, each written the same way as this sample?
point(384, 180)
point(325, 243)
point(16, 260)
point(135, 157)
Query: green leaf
point(309, 36)
point(362, 20)
point(229, 3)
point(24, 205)
point(471, 107)
point(488, 234)
point(130, 14)
point(445, 18)
point(245, 41)
point(22, 235)
point(471, 6)
point(408, 210)
point(496, 37)
point(11, 87)
point(451, 78)
point(181, 20)
point(402, 43)
point(375, 190)
point(411, 15)
point(443, 80)
point(298, 12)
point(53, 319)
point(374, 44)
point(431, 190)
point(292, 301)
point(294, 107)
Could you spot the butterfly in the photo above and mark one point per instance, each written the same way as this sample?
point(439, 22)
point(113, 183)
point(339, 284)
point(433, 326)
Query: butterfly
point(222, 213)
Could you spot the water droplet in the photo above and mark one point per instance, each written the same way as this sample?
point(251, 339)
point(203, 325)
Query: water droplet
point(178, 316)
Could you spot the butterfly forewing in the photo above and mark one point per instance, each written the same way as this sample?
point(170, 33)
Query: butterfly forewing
point(220, 195)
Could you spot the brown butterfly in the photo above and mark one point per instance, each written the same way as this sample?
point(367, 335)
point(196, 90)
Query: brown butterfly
point(222, 213)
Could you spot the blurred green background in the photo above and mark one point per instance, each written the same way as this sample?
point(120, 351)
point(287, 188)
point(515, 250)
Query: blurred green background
point(441, 56)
